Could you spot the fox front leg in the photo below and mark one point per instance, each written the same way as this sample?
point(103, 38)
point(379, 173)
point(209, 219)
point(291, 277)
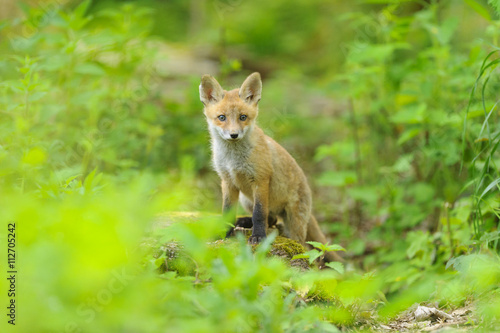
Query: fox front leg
point(260, 213)
point(229, 199)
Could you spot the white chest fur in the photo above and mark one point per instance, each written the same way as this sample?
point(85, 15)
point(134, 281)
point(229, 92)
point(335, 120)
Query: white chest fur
point(232, 158)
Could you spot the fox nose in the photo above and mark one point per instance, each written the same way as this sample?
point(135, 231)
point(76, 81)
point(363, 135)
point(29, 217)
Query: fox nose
point(234, 136)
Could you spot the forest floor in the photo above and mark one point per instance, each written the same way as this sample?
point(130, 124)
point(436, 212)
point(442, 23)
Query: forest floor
point(429, 319)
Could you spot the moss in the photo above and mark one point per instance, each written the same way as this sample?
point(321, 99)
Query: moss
point(167, 257)
point(176, 258)
point(288, 245)
point(183, 265)
point(286, 248)
point(324, 290)
point(172, 256)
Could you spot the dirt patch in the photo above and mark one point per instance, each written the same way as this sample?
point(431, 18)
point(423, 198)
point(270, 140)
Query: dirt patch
point(430, 319)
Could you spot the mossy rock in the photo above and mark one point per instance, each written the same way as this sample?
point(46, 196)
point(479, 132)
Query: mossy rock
point(176, 260)
point(286, 248)
point(167, 257)
point(173, 257)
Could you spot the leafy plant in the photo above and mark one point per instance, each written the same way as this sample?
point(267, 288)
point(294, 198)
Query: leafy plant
point(104, 162)
point(318, 252)
point(484, 166)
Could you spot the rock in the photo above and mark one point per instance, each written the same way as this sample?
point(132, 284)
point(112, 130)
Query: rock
point(171, 256)
point(286, 248)
point(426, 313)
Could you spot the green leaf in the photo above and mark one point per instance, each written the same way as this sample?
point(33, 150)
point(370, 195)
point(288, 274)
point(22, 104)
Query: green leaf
point(87, 184)
point(158, 262)
point(13, 106)
point(367, 194)
point(338, 266)
point(495, 4)
point(475, 114)
point(373, 53)
point(490, 236)
point(35, 156)
point(317, 245)
point(311, 255)
point(408, 135)
point(90, 69)
point(414, 114)
point(490, 186)
point(478, 8)
point(337, 178)
point(92, 181)
point(300, 256)
point(36, 96)
point(447, 29)
point(82, 8)
point(334, 247)
point(70, 180)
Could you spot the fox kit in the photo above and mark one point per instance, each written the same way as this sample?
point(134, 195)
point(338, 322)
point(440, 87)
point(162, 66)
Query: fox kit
point(253, 167)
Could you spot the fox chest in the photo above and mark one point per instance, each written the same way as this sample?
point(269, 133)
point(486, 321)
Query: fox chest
point(236, 168)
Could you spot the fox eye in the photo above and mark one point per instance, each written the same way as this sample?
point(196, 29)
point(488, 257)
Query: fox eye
point(222, 117)
point(243, 117)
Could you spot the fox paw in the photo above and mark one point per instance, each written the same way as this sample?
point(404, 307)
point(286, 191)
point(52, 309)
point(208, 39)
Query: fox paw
point(255, 239)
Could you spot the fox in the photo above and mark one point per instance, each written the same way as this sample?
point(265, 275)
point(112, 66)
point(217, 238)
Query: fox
point(254, 169)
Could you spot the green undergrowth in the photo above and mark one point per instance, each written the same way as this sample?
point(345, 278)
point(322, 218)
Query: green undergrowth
point(84, 252)
point(102, 134)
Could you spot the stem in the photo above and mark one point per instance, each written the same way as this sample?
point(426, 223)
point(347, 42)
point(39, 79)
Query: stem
point(357, 161)
point(355, 136)
point(447, 206)
point(222, 50)
point(27, 104)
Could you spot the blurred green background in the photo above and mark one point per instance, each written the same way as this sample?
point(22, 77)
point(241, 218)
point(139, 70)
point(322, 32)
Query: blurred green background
point(390, 107)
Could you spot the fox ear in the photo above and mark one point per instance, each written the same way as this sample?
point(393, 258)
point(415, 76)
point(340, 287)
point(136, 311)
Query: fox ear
point(210, 90)
point(251, 89)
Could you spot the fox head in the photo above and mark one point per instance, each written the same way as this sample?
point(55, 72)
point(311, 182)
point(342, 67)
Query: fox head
point(231, 114)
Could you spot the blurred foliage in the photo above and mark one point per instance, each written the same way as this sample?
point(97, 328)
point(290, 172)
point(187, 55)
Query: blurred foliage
point(390, 107)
